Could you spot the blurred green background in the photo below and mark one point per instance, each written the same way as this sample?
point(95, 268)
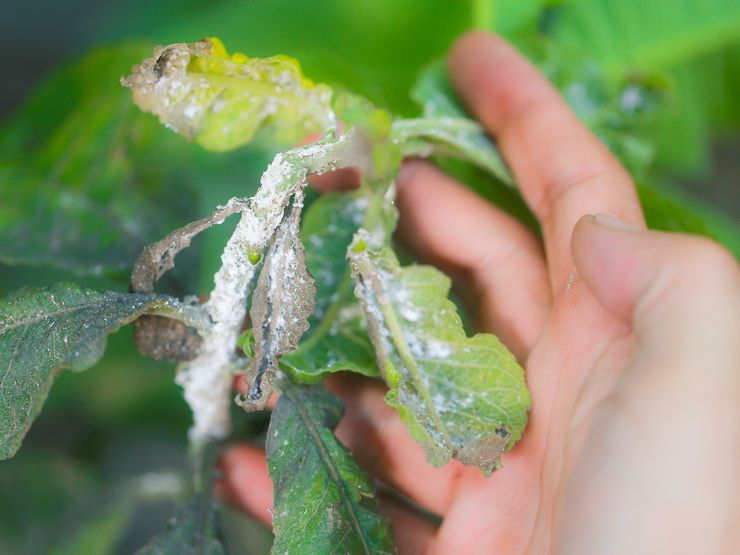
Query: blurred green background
point(75, 140)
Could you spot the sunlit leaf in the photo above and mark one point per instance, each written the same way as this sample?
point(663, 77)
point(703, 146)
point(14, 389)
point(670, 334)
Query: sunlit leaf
point(221, 100)
point(461, 397)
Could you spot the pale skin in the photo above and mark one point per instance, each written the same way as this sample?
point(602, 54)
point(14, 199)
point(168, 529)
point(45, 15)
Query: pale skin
point(630, 340)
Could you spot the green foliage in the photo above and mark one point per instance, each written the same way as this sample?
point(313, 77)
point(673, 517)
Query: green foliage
point(631, 33)
point(192, 531)
point(462, 398)
point(323, 502)
point(337, 338)
point(45, 330)
point(220, 101)
point(679, 39)
point(87, 180)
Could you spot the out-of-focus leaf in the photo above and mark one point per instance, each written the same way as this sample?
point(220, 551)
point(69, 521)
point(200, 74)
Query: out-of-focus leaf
point(462, 398)
point(87, 180)
point(505, 16)
point(622, 111)
point(220, 101)
point(672, 212)
point(42, 497)
point(100, 534)
point(323, 502)
point(638, 34)
point(45, 330)
point(682, 39)
point(445, 128)
point(242, 534)
point(282, 302)
point(192, 531)
point(337, 338)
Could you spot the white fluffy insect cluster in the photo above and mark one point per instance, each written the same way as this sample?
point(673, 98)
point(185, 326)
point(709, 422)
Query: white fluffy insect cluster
point(207, 379)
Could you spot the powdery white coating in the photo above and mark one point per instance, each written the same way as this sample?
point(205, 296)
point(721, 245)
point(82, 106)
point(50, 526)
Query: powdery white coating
point(438, 349)
point(207, 379)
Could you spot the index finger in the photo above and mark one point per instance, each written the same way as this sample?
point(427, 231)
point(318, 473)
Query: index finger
point(563, 171)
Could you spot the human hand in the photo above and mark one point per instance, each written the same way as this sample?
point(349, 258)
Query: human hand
point(630, 341)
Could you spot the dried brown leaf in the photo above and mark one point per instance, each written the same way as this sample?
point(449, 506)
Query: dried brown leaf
point(282, 303)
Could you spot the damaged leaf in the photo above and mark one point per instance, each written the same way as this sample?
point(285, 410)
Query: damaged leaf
point(461, 397)
point(159, 337)
point(337, 338)
point(207, 378)
point(282, 302)
point(323, 502)
point(157, 258)
point(221, 100)
point(43, 331)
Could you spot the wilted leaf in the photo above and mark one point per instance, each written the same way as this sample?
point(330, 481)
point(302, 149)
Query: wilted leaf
point(337, 338)
point(282, 302)
point(160, 337)
point(43, 331)
point(207, 379)
point(462, 398)
point(220, 101)
point(322, 501)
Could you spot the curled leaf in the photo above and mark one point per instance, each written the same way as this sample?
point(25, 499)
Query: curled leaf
point(337, 338)
point(165, 338)
point(159, 257)
point(221, 100)
point(207, 379)
point(461, 397)
point(282, 303)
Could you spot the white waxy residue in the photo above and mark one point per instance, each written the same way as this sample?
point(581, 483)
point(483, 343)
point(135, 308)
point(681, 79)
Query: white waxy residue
point(207, 379)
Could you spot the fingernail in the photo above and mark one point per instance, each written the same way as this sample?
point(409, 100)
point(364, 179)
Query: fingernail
point(611, 222)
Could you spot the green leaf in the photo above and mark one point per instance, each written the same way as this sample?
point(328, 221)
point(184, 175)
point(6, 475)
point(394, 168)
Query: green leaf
point(100, 533)
point(445, 129)
point(87, 180)
point(634, 33)
point(43, 331)
point(337, 338)
point(504, 16)
point(621, 111)
point(462, 398)
point(323, 502)
point(669, 211)
point(44, 497)
point(193, 531)
point(220, 101)
point(682, 40)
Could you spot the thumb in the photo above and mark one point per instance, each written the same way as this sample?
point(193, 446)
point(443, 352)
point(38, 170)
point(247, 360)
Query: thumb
point(669, 287)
